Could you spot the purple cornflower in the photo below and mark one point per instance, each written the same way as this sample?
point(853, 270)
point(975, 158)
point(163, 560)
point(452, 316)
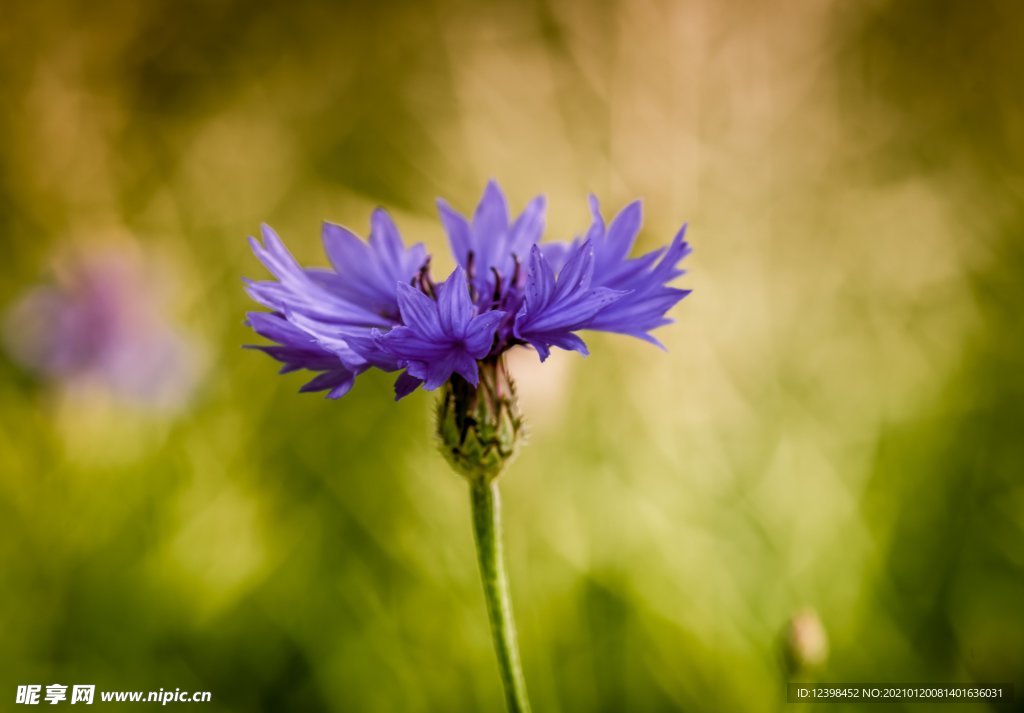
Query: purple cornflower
point(380, 308)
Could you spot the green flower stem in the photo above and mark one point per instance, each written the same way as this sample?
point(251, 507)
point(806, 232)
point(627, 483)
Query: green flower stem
point(487, 531)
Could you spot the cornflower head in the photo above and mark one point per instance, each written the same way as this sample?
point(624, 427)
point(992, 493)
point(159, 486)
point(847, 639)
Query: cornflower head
point(380, 307)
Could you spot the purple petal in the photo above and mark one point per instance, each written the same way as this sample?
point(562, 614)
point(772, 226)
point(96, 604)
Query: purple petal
point(491, 216)
point(596, 230)
point(419, 312)
point(567, 340)
point(294, 358)
point(297, 290)
point(622, 232)
point(570, 315)
point(276, 328)
point(366, 273)
point(667, 269)
point(557, 253)
point(454, 306)
point(405, 343)
point(434, 373)
point(329, 337)
point(576, 274)
point(540, 281)
point(527, 229)
point(480, 333)
point(275, 256)
point(405, 385)
point(384, 237)
point(343, 247)
point(458, 230)
point(465, 366)
point(337, 382)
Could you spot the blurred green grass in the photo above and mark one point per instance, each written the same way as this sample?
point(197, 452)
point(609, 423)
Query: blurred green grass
point(836, 423)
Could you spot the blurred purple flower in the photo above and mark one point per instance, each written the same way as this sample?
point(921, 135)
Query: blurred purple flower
point(380, 308)
point(98, 323)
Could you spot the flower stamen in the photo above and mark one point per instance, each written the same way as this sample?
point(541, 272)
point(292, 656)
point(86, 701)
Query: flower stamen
point(425, 283)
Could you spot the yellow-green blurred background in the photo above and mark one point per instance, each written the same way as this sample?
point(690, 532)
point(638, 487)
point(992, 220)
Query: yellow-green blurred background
point(838, 422)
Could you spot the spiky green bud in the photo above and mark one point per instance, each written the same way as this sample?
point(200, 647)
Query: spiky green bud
point(480, 428)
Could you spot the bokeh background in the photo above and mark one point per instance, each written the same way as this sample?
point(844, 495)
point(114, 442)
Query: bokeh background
point(838, 422)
